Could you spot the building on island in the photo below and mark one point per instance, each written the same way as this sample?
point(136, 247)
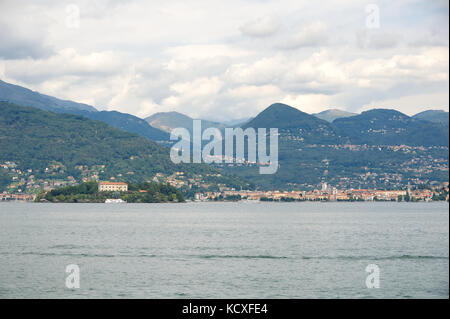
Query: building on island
point(112, 187)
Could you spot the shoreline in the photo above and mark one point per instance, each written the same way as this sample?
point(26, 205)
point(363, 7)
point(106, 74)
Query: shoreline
point(229, 202)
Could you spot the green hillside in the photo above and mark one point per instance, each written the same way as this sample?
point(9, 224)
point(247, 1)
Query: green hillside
point(126, 122)
point(57, 145)
point(436, 116)
point(380, 148)
point(23, 96)
point(295, 123)
point(390, 127)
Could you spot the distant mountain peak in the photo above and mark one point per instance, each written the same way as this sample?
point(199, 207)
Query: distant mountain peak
point(23, 96)
point(288, 118)
point(436, 116)
point(166, 121)
point(383, 111)
point(390, 127)
point(331, 114)
point(280, 107)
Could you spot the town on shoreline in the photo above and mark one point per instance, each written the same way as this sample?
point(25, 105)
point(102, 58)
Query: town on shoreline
point(332, 194)
point(327, 193)
point(180, 186)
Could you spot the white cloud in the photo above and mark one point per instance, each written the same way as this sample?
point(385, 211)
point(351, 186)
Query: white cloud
point(310, 103)
point(64, 63)
point(219, 60)
point(205, 51)
point(411, 104)
point(315, 34)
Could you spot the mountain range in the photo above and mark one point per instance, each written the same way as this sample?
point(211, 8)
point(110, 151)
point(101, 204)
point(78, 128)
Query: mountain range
point(23, 96)
point(158, 126)
point(59, 146)
point(390, 127)
point(126, 122)
point(296, 123)
point(377, 148)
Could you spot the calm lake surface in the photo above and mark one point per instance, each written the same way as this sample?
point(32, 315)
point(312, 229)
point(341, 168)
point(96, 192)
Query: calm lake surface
point(224, 250)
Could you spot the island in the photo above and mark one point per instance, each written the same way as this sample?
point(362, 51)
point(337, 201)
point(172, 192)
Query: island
point(99, 192)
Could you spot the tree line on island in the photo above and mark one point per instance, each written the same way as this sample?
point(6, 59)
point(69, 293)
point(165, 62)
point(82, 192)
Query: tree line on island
point(88, 192)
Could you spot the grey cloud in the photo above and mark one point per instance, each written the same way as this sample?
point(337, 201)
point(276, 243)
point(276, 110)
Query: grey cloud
point(377, 39)
point(433, 38)
point(145, 56)
point(261, 27)
point(15, 45)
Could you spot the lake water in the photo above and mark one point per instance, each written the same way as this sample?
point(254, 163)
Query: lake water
point(225, 250)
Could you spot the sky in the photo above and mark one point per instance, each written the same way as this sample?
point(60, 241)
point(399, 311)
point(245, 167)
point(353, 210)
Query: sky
point(224, 60)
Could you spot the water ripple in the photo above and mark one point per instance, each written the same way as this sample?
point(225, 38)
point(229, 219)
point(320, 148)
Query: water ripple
point(212, 256)
point(376, 258)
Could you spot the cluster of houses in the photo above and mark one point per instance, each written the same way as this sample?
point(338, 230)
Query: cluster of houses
point(327, 193)
point(17, 197)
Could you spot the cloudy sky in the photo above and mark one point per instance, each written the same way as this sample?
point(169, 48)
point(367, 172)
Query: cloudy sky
point(230, 59)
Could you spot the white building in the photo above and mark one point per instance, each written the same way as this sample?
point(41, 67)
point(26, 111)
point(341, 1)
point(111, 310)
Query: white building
point(112, 187)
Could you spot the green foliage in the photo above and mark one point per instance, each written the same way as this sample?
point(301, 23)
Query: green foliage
point(147, 192)
point(34, 139)
point(4, 179)
point(88, 188)
point(125, 122)
point(233, 198)
point(150, 192)
point(441, 195)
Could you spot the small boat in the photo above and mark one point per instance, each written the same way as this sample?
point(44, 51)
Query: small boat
point(114, 201)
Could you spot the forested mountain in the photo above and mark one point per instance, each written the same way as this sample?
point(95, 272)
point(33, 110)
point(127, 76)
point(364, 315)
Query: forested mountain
point(129, 123)
point(126, 122)
point(23, 96)
point(390, 127)
point(436, 116)
point(284, 116)
point(295, 123)
point(67, 144)
point(379, 148)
